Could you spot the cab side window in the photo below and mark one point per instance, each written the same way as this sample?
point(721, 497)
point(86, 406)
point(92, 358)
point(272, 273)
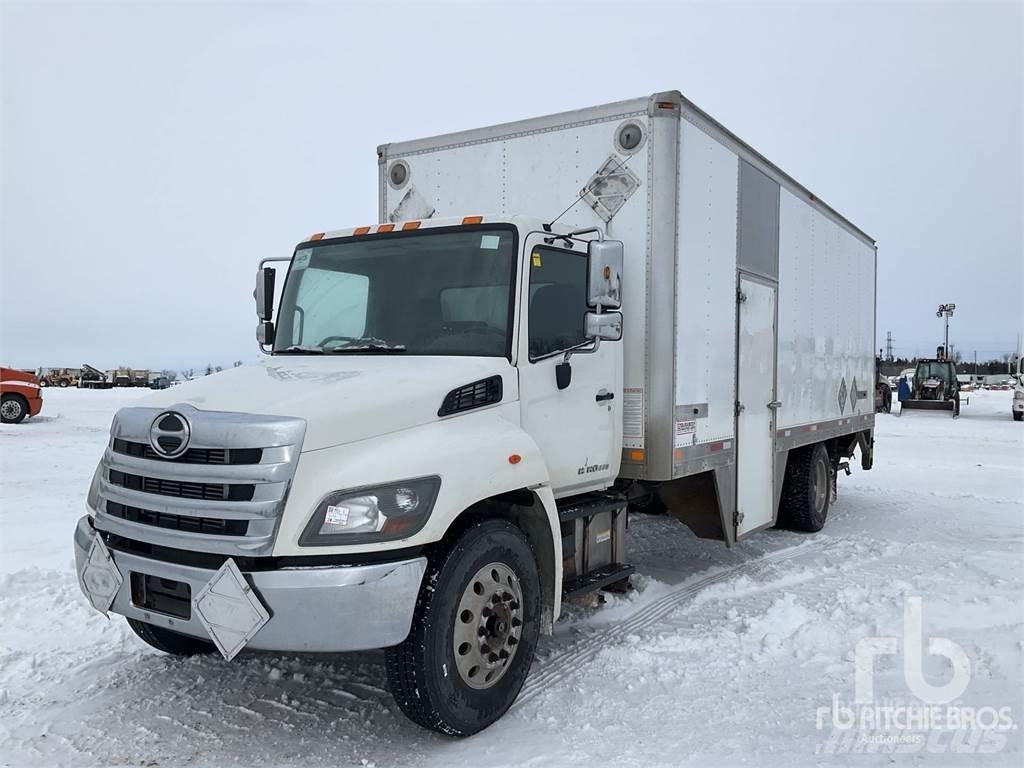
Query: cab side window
point(558, 300)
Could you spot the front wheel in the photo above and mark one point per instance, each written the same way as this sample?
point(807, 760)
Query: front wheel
point(474, 632)
point(13, 409)
point(1018, 415)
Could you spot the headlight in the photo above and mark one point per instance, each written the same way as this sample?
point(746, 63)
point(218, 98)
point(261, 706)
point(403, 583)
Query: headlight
point(371, 514)
point(1018, 395)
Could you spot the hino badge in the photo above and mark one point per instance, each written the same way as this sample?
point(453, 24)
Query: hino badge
point(459, 404)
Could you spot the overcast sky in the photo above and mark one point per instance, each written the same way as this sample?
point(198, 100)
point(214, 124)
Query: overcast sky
point(153, 153)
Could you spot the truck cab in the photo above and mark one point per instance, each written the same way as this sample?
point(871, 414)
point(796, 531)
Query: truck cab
point(429, 386)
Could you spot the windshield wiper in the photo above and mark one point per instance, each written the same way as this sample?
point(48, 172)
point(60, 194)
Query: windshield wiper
point(367, 346)
point(299, 349)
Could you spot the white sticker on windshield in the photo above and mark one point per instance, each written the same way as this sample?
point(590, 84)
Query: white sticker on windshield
point(301, 260)
point(489, 242)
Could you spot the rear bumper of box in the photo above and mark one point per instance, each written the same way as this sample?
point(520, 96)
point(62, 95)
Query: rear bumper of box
point(317, 609)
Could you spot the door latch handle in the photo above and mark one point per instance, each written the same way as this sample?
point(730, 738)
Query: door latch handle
point(775, 404)
point(604, 395)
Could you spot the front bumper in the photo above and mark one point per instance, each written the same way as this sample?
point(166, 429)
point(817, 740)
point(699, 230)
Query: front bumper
point(318, 609)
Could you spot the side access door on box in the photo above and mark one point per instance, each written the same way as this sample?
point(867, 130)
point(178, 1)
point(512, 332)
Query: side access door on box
point(756, 404)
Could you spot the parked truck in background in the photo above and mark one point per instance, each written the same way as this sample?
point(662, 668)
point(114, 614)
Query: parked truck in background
point(20, 395)
point(554, 320)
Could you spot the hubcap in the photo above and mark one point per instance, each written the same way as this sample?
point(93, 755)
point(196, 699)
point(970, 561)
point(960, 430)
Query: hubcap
point(488, 625)
point(11, 409)
point(820, 486)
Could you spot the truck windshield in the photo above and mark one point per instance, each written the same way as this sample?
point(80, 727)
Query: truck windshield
point(438, 291)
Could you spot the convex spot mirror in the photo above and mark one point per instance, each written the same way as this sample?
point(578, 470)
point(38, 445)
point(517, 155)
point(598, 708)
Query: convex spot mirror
point(606, 326)
point(604, 274)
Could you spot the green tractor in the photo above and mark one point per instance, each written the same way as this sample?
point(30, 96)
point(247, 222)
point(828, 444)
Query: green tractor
point(935, 387)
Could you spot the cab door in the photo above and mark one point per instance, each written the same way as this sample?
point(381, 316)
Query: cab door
point(578, 428)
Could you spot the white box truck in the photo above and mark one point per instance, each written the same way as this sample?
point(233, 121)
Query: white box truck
point(554, 321)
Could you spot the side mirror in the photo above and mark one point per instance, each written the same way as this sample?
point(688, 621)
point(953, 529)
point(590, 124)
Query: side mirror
point(265, 333)
point(606, 326)
point(604, 273)
point(264, 293)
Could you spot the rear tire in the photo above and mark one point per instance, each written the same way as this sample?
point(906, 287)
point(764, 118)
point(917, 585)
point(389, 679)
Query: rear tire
point(428, 672)
point(170, 642)
point(1018, 415)
point(806, 490)
point(62, 383)
point(13, 409)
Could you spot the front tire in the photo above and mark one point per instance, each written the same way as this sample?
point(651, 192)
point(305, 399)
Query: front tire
point(474, 632)
point(13, 409)
point(1018, 415)
point(170, 642)
point(806, 490)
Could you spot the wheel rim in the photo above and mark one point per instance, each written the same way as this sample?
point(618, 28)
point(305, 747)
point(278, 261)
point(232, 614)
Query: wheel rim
point(488, 626)
point(11, 409)
point(820, 486)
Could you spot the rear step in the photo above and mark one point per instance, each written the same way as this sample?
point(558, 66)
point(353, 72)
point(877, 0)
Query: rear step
point(593, 543)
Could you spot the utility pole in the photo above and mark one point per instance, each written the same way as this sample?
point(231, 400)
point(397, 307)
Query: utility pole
point(888, 346)
point(946, 311)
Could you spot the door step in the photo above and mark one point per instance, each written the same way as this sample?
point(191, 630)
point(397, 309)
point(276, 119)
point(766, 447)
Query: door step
point(593, 542)
point(595, 580)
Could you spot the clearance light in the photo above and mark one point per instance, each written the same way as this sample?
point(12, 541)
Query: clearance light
point(360, 230)
point(410, 225)
point(636, 455)
point(515, 458)
point(665, 105)
point(385, 228)
point(317, 236)
point(472, 219)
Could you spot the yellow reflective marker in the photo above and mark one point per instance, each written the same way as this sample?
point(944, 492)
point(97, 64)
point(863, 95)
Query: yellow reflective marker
point(536, 259)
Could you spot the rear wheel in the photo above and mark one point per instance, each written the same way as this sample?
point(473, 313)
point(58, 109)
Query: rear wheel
point(1018, 415)
point(473, 635)
point(62, 383)
point(13, 409)
point(170, 642)
point(806, 490)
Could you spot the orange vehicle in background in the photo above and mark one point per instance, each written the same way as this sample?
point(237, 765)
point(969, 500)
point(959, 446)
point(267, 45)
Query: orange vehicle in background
point(20, 395)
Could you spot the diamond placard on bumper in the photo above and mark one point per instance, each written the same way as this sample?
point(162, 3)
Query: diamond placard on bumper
point(229, 610)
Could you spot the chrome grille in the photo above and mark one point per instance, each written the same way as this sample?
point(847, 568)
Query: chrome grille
point(192, 455)
point(224, 494)
point(210, 525)
point(182, 489)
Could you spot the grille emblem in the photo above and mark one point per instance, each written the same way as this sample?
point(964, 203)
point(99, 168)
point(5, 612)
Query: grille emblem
point(169, 435)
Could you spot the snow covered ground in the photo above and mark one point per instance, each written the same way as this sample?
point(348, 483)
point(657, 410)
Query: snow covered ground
point(722, 657)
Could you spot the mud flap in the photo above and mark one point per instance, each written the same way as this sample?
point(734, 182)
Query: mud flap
point(229, 610)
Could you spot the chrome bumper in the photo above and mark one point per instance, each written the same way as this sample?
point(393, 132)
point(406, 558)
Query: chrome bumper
point(320, 609)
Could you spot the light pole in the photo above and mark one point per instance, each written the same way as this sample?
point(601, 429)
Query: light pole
point(946, 311)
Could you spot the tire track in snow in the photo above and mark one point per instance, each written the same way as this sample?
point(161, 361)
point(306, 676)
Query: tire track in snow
point(571, 659)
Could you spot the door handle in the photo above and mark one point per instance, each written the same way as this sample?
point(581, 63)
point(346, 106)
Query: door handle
point(604, 395)
point(775, 404)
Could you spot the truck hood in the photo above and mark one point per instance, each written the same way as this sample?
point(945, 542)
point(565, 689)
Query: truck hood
point(342, 398)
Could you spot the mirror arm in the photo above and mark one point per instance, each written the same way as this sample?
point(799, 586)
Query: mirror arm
point(579, 348)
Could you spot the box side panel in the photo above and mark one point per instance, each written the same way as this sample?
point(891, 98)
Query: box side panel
point(826, 318)
point(705, 291)
point(538, 173)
